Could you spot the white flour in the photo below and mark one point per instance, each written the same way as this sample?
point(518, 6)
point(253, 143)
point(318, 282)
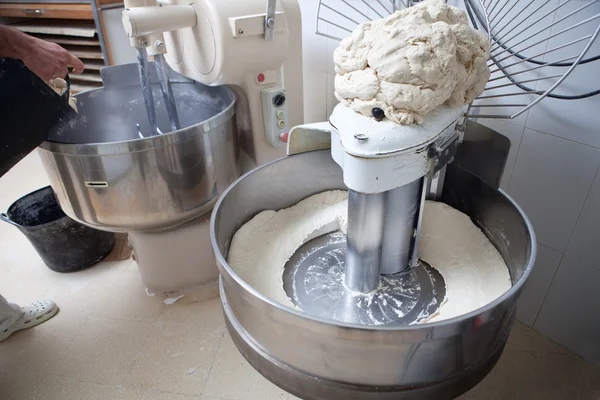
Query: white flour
point(474, 272)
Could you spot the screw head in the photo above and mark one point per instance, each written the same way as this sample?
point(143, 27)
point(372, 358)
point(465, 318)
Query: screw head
point(159, 44)
point(143, 42)
point(271, 22)
point(360, 136)
point(241, 31)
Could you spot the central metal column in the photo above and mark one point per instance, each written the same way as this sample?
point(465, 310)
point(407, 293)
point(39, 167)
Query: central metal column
point(401, 214)
point(366, 213)
point(381, 234)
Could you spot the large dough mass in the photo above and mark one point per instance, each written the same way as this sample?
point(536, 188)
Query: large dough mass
point(412, 62)
point(474, 272)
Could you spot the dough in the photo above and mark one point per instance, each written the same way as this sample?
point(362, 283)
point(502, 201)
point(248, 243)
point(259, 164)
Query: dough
point(412, 62)
point(474, 272)
point(59, 85)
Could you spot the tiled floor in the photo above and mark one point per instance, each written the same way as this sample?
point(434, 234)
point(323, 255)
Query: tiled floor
point(112, 341)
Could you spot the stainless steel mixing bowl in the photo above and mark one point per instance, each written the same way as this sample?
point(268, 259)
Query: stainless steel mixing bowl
point(319, 359)
point(106, 176)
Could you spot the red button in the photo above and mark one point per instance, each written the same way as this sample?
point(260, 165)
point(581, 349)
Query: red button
point(260, 78)
point(284, 137)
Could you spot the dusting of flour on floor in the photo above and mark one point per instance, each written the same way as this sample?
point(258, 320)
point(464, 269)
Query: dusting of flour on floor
point(474, 272)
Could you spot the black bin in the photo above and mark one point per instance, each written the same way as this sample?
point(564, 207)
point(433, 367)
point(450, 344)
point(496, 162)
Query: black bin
point(64, 244)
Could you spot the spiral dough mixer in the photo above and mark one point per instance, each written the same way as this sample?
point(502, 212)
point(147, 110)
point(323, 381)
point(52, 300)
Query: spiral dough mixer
point(213, 114)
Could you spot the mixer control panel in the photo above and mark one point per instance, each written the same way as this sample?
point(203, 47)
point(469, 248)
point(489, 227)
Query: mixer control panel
point(275, 115)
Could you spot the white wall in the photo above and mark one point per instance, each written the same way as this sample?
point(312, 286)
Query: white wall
point(552, 172)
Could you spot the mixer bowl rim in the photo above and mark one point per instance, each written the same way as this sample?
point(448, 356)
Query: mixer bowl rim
point(147, 143)
point(515, 288)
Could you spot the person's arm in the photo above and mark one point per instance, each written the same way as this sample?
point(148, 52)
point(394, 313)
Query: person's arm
point(45, 59)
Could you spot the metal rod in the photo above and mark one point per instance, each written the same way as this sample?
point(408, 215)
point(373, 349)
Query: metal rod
point(497, 37)
point(544, 29)
point(553, 49)
point(366, 213)
point(142, 60)
point(507, 25)
point(521, 82)
point(509, 94)
point(384, 7)
point(548, 38)
point(341, 15)
point(493, 17)
point(401, 209)
point(500, 67)
point(425, 184)
point(548, 64)
point(356, 9)
point(504, 16)
point(371, 7)
point(334, 24)
point(566, 74)
point(167, 91)
point(270, 20)
point(497, 105)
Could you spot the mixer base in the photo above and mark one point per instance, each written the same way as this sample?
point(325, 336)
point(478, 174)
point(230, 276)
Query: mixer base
point(309, 387)
point(314, 279)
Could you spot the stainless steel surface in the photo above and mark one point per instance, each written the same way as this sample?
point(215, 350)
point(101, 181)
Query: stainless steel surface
point(97, 21)
point(314, 358)
point(165, 85)
point(148, 184)
point(513, 32)
point(270, 19)
point(400, 223)
point(366, 214)
point(483, 152)
point(314, 279)
point(142, 61)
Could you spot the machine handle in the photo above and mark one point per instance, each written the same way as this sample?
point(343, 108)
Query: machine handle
point(309, 137)
point(4, 217)
point(37, 11)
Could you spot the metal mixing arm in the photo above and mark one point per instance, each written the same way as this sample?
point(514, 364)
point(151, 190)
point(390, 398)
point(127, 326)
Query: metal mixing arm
point(144, 22)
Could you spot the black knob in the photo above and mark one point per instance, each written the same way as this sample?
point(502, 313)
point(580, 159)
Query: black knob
point(378, 113)
point(279, 100)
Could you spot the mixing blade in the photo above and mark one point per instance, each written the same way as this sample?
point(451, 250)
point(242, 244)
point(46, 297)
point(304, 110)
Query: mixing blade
point(314, 279)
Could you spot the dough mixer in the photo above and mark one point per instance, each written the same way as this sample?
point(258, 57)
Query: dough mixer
point(151, 151)
point(312, 354)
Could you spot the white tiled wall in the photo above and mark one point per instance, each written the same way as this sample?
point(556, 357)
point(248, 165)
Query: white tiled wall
point(552, 171)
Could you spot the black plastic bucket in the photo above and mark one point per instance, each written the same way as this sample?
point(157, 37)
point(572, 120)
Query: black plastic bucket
point(64, 244)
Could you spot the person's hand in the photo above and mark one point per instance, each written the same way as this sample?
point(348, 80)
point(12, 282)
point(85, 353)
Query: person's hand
point(48, 60)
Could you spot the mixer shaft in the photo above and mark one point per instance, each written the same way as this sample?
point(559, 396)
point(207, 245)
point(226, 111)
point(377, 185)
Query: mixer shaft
point(381, 234)
point(366, 214)
point(167, 91)
point(142, 61)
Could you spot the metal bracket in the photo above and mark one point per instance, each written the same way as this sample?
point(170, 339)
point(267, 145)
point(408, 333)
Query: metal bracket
point(270, 20)
point(442, 152)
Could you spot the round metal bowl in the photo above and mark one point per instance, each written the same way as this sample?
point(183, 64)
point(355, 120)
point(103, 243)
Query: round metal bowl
point(318, 359)
point(106, 176)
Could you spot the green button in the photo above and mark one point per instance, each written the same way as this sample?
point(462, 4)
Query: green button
point(280, 114)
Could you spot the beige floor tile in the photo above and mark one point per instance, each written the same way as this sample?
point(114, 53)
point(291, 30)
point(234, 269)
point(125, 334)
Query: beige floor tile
point(177, 357)
point(56, 387)
point(195, 313)
point(120, 295)
point(158, 395)
point(103, 351)
point(233, 378)
point(524, 338)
